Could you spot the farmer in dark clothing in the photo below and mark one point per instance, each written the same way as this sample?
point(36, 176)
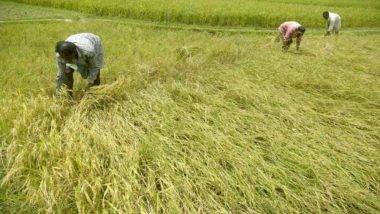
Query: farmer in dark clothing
point(82, 52)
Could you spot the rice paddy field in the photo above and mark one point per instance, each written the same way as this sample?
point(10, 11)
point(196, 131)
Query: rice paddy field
point(189, 121)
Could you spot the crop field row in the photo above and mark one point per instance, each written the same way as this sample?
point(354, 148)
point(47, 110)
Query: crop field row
point(261, 14)
point(331, 3)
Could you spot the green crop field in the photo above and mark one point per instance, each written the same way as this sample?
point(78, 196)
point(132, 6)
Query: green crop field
point(189, 121)
point(341, 3)
point(228, 13)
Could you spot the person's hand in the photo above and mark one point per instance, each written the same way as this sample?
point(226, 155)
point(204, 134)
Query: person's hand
point(68, 70)
point(286, 45)
point(89, 85)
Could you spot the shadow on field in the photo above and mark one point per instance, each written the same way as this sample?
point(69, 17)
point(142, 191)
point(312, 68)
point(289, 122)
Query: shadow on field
point(303, 53)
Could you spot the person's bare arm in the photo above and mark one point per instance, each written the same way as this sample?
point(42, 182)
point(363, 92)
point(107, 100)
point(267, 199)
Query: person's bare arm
point(327, 28)
point(287, 40)
point(61, 66)
point(286, 44)
point(298, 42)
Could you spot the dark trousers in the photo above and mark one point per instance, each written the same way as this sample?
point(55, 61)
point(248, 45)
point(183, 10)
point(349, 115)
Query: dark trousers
point(69, 80)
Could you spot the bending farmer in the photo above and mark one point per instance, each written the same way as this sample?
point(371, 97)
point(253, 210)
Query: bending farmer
point(82, 52)
point(333, 22)
point(288, 31)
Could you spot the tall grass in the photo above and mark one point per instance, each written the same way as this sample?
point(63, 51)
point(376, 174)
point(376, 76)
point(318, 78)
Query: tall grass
point(330, 3)
point(225, 13)
point(190, 122)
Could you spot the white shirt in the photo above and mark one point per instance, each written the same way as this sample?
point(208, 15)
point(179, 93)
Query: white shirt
point(90, 56)
point(333, 22)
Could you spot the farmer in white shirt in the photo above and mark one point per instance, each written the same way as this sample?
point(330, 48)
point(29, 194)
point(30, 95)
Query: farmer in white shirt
point(333, 22)
point(82, 52)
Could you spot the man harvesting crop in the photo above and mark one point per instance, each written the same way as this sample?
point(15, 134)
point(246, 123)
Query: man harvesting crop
point(333, 22)
point(288, 31)
point(82, 52)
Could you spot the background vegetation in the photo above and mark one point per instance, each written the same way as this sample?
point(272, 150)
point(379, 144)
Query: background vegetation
point(255, 13)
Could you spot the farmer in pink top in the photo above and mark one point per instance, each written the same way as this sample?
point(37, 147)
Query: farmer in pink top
point(288, 31)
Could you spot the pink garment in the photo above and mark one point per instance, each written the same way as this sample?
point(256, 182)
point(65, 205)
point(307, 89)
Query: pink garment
point(288, 29)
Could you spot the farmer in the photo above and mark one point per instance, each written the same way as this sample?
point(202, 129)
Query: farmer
point(82, 52)
point(288, 31)
point(333, 22)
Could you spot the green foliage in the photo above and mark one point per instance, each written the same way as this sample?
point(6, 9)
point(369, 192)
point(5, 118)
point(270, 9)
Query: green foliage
point(228, 13)
point(330, 3)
